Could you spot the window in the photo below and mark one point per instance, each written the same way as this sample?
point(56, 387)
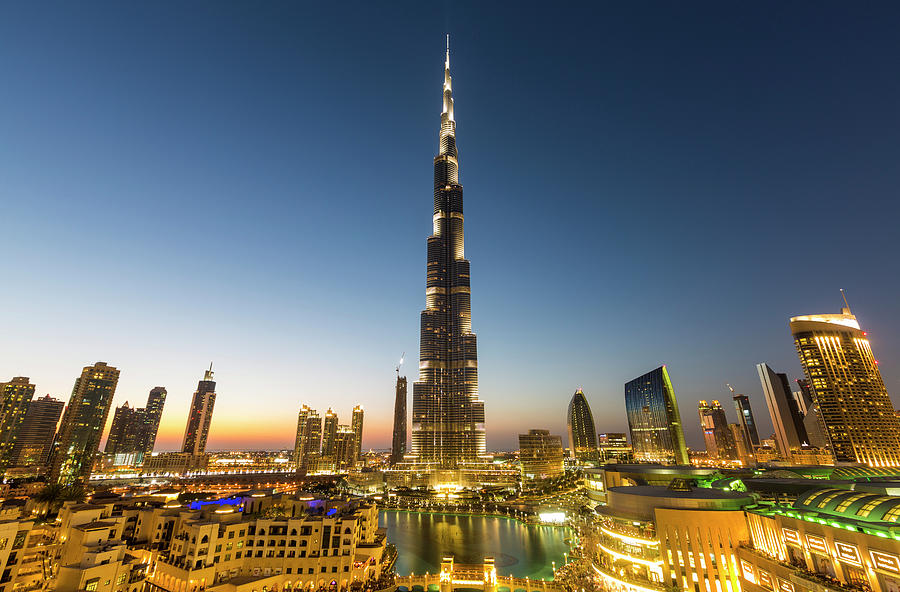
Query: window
point(231, 534)
point(824, 501)
point(864, 511)
point(120, 579)
point(847, 501)
point(323, 569)
point(892, 514)
point(91, 584)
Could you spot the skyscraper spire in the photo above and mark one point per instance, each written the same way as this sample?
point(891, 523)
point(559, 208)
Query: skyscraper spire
point(448, 416)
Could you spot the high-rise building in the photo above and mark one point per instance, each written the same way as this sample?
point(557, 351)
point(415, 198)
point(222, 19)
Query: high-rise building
point(356, 423)
point(344, 448)
point(745, 418)
point(812, 417)
point(613, 447)
point(847, 387)
point(580, 427)
point(716, 433)
point(123, 433)
point(540, 454)
point(743, 451)
point(15, 397)
point(35, 440)
point(150, 419)
point(790, 434)
point(398, 441)
point(328, 432)
point(78, 439)
point(657, 434)
point(447, 416)
point(309, 437)
point(196, 431)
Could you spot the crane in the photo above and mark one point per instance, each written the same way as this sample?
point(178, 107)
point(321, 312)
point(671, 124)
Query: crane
point(731, 388)
point(400, 363)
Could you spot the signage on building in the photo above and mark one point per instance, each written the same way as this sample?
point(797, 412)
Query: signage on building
point(817, 544)
point(885, 561)
point(792, 537)
point(847, 553)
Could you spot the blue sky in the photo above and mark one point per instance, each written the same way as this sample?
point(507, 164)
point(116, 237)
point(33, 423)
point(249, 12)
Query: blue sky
point(645, 183)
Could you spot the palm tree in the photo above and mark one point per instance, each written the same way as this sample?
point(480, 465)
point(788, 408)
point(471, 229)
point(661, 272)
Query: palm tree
point(51, 498)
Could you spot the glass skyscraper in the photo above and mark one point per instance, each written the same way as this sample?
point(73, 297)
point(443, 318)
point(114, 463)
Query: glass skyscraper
point(653, 419)
point(398, 441)
point(580, 426)
point(196, 431)
point(447, 415)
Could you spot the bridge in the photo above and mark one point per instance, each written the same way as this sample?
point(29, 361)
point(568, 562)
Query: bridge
point(458, 576)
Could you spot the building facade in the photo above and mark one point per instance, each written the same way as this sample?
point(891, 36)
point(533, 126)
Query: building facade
point(447, 416)
point(540, 454)
point(308, 440)
point(580, 426)
point(745, 418)
point(399, 434)
point(35, 440)
point(196, 431)
point(716, 433)
point(15, 396)
point(356, 423)
point(787, 420)
point(149, 426)
point(655, 424)
point(613, 447)
point(847, 387)
point(78, 439)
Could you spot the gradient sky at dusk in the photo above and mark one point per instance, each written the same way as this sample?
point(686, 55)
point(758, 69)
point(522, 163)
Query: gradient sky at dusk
point(250, 183)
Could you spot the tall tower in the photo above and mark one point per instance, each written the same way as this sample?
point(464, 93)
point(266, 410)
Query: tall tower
point(398, 442)
point(356, 424)
point(309, 437)
point(716, 433)
point(745, 418)
point(657, 434)
point(580, 426)
point(123, 431)
point(15, 396)
point(447, 417)
point(787, 419)
point(82, 424)
point(197, 430)
point(35, 440)
point(149, 427)
point(328, 433)
point(848, 389)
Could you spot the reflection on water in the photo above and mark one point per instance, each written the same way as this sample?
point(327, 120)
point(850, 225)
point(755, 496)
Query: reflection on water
point(519, 550)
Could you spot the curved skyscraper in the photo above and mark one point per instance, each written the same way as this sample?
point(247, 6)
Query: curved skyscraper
point(447, 416)
point(580, 424)
point(848, 388)
point(654, 420)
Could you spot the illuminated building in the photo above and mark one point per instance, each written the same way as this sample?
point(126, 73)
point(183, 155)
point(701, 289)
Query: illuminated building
point(540, 454)
point(613, 447)
point(580, 426)
point(15, 396)
point(150, 419)
point(718, 437)
point(82, 424)
point(745, 418)
point(740, 439)
point(398, 440)
point(653, 419)
point(847, 387)
point(35, 440)
point(123, 431)
point(786, 419)
point(306, 545)
point(356, 423)
point(650, 539)
point(309, 436)
point(345, 449)
point(197, 430)
point(447, 415)
point(828, 539)
point(328, 432)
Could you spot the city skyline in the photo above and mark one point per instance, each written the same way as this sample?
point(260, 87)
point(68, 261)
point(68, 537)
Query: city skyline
point(287, 342)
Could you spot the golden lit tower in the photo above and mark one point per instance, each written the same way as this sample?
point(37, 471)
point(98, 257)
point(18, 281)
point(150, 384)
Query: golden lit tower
point(309, 438)
point(197, 430)
point(15, 396)
point(447, 415)
point(847, 387)
point(356, 423)
point(82, 424)
point(328, 432)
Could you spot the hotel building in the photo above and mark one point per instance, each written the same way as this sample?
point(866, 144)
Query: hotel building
point(653, 419)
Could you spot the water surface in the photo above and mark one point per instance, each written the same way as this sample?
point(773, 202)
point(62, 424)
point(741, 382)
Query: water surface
point(519, 550)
